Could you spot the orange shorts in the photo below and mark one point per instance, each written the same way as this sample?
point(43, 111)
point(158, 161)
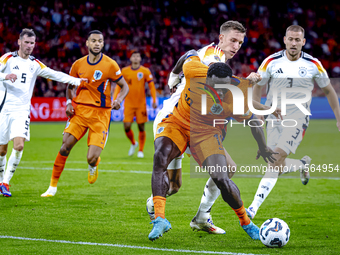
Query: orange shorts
point(204, 143)
point(139, 112)
point(94, 119)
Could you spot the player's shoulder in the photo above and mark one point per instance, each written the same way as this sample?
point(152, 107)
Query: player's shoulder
point(308, 57)
point(4, 58)
point(126, 68)
point(144, 69)
point(278, 56)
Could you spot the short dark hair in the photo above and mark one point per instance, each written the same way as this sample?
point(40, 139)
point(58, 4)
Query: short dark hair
point(135, 52)
point(220, 69)
point(94, 32)
point(28, 32)
point(232, 25)
point(296, 28)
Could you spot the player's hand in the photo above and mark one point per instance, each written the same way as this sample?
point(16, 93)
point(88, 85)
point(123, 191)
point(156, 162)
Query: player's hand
point(254, 77)
point(154, 105)
point(12, 77)
point(267, 154)
point(115, 105)
point(69, 110)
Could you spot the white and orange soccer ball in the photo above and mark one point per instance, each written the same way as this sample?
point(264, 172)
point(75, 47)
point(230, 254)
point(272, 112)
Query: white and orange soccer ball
point(274, 233)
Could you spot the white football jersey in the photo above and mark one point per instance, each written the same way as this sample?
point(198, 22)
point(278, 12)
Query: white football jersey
point(278, 72)
point(17, 95)
point(208, 54)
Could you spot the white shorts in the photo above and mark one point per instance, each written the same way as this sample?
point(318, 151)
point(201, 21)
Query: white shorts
point(176, 163)
point(285, 136)
point(14, 124)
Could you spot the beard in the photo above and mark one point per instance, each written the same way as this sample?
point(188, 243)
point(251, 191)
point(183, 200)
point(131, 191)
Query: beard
point(95, 53)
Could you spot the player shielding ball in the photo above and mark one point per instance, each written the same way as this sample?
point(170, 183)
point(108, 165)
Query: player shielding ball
point(90, 109)
point(136, 76)
point(18, 73)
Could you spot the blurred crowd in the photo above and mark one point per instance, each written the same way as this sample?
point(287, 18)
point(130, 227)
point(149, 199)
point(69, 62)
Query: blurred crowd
point(164, 30)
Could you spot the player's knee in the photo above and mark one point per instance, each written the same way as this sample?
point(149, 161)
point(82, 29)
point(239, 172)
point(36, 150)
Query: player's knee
point(65, 149)
point(19, 147)
point(92, 160)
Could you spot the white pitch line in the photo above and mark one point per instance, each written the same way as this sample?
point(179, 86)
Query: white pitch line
point(124, 246)
point(183, 173)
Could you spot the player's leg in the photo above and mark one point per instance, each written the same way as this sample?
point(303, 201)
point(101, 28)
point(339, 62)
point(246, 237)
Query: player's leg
point(18, 130)
point(93, 159)
point(267, 182)
point(141, 139)
point(174, 171)
point(230, 193)
point(3, 161)
point(13, 162)
point(129, 113)
point(141, 118)
point(69, 141)
point(165, 151)
point(203, 220)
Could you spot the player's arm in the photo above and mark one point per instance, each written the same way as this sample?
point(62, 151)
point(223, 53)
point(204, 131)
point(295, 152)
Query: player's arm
point(49, 73)
point(258, 134)
point(174, 75)
point(69, 97)
point(152, 88)
point(124, 90)
point(6, 76)
point(333, 102)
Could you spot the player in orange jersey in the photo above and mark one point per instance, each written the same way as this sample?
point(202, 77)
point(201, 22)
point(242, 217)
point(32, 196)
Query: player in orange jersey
point(188, 126)
point(90, 109)
point(136, 76)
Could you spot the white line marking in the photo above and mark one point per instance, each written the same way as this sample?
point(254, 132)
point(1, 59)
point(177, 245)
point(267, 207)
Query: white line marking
point(183, 173)
point(124, 246)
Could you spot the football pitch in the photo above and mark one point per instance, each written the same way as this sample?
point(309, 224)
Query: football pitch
point(109, 216)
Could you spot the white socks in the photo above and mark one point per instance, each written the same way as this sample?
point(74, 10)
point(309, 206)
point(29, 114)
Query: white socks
point(13, 162)
point(266, 185)
point(3, 162)
point(210, 194)
point(293, 165)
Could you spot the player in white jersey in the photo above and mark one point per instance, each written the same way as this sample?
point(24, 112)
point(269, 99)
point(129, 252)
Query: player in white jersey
point(230, 40)
point(290, 68)
point(18, 73)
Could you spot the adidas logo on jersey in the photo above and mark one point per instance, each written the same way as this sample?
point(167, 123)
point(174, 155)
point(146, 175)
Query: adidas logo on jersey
point(279, 71)
point(16, 67)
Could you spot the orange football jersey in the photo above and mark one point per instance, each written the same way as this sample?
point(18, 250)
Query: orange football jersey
point(136, 79)
point(189, 108)
point(100, 75)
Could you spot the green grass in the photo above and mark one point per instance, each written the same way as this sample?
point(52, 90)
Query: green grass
point(112, 211)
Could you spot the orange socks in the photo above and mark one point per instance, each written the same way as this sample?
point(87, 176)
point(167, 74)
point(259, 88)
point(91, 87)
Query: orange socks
point(58, 168)
point(130, 136)
point(242, 215)
point(141, 139)
point(159, 206)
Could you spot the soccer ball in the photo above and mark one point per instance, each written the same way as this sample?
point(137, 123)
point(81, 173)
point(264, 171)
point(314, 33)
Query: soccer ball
point(274, 233)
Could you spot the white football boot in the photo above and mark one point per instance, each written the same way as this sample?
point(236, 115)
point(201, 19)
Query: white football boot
point(304, 173)
point(132, 149)
point(51, 191)
point(206, 225)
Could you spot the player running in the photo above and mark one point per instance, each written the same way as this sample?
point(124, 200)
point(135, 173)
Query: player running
point(136, 76)
point(289, 68)
point(18, 73)
point(90, 109)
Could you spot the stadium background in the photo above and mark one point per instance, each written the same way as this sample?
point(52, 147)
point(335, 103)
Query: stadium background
point(163, 31)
